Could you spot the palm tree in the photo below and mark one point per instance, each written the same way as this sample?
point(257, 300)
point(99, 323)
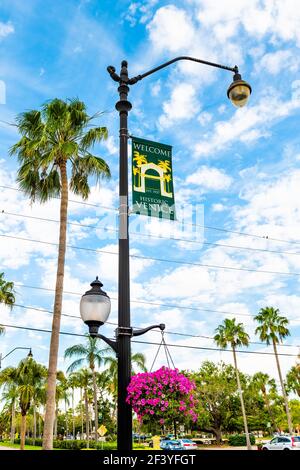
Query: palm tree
point(233, 334)
point(85, 378)
point(273, 329)
point(10, 396)
point(138, 359)
point(88, 353)
point(7, 296)
point(73, 383)
point(38, 399)
point(263, 382)
point(58, 136)
point(77, 378)
point(293, 380)
point(25, 376)
point(61, 393)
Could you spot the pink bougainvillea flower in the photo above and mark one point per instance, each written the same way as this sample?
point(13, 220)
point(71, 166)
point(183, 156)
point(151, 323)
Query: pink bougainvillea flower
point(163, 395)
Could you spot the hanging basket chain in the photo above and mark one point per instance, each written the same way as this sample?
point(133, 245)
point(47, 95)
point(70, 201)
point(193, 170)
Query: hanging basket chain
point(157, 352)
point(167, 353)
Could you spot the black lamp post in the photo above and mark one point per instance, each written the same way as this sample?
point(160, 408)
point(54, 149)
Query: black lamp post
point(3, 357)
point(238, 92)
point(94, 310)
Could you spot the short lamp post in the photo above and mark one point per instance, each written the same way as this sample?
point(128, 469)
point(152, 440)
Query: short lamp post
point(95, 308)
point(3, 357)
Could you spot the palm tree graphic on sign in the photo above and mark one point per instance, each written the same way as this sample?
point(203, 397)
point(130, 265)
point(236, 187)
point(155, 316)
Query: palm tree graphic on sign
point(163, 168)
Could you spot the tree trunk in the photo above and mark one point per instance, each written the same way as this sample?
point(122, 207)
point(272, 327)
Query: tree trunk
point(218, 435)
point(87, 430)
point(288, 414)
point(242, 401)
point(66, 418)
point(23, 431)
point(81, 413)
point(175, 429)
point(95, 403)
point(55, 421)
point(73, 430)
point(267, 402)
point(52, 369)
point(34, 423)
point(13, 422)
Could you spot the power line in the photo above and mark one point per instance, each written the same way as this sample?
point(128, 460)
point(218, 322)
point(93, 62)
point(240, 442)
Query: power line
point(70, 200)
point(163, 260)
point(150, 235)
point(176, 333)
point(207, 227)
point(157, 304)
point(156, 344)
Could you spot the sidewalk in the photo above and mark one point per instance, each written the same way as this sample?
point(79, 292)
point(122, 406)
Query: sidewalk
point(7, 448)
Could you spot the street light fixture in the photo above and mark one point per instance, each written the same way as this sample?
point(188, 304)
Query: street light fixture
point(3, 357)
point(238, 92)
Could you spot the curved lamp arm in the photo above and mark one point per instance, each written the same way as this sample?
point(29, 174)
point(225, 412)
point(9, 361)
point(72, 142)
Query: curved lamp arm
point(131, 81)
point(161, 326)
point(113, 344)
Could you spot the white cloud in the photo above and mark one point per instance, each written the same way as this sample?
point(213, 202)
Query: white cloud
point(250, 123)
point(182, 105)
point(218, 207)
point(210, 178)
point(6, 29)
point(274, 17)
point(204, 118)
point(171, 29)
point(156, 88)
point(274, 62)
point(110, 145)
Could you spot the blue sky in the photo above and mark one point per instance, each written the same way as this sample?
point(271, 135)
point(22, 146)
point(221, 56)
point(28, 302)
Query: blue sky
point(240, 167)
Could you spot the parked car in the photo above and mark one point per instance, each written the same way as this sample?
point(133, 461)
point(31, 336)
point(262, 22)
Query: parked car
point(188, 444)
point(171, 445)
point(283, 443)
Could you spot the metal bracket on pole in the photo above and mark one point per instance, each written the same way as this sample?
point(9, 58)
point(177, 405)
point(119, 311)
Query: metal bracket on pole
point(113, 344)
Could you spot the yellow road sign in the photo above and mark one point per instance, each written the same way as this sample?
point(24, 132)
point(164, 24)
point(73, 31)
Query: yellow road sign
point(102, 430)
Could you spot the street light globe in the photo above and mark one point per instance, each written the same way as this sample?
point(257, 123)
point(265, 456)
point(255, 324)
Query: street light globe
point(239, 92)
point(95, 306)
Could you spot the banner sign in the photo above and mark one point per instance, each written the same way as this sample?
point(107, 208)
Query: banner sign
point(152, 179)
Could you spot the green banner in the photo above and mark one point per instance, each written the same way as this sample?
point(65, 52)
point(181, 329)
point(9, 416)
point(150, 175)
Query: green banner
point(152, 179)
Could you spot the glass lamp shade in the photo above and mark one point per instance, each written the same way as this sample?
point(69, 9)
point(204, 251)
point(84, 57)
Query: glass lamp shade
point(239, 92)
point(95, 308)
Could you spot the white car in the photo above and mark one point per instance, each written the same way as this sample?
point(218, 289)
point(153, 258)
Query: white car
point(283, 443)
point(188, 444)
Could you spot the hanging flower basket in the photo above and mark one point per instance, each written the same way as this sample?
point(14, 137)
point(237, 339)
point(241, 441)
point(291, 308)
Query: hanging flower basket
point(162, 396)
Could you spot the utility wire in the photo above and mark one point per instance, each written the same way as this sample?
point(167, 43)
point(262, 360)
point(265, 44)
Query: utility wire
point(150, 235)
point(70, 200)
point(162, 260)
point(28, 307)
point(179, 307)
point(207, 227)
point(155, 343)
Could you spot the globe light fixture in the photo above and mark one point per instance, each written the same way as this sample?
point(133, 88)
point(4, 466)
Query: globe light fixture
point(239, 91)
point(95, 307)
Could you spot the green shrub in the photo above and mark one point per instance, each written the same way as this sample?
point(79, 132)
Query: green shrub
point(239, 440)
point(77, 444)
